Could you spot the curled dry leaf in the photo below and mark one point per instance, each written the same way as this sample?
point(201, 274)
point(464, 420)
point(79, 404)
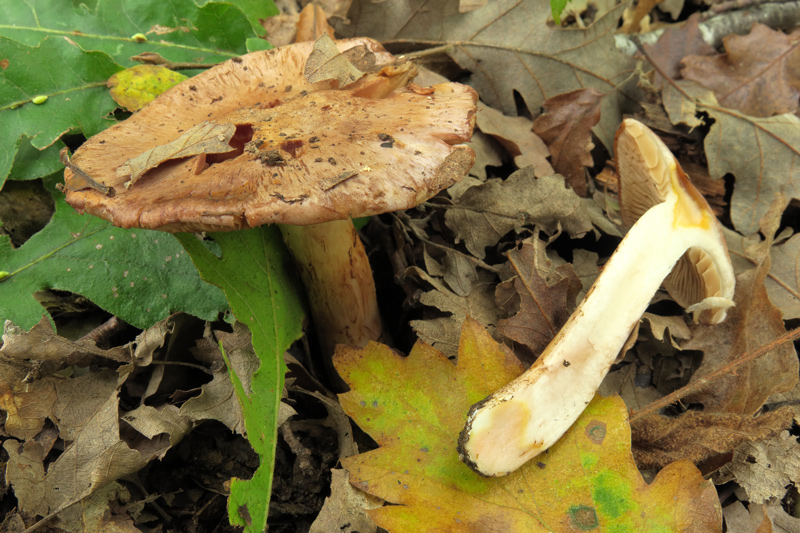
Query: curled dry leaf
point(759, 74)
point(764, 469)
point(203, 139)
point(485, 213)
point(566, 127)
point(541, 295)
point(516, 136)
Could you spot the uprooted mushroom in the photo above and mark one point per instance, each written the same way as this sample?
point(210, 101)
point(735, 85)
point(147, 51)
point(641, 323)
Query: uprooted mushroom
point(675, 236)
point(297, 136)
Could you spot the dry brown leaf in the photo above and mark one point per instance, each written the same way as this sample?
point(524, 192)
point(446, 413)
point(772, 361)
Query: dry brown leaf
point(669, 327)
point(783, 280)
point(487, 154)
point(764, 469)
point(326, 62)
point(741, 519)
point(205, 138)
point(105, 510)
point(753, 322)
point(566, 127)
point(707, 439)
point(97, 456)
point(674, 44)
point(538, 63)
point(477, 302)
point(312, 23)
point(541, 295)
point(759, 75)
point(485, 213)
point(346, 508)
point(516, 136)
point(763, 154)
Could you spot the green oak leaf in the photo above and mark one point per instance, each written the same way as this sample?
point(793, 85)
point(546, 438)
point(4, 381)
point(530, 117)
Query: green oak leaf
point(415, 407)
point(140, 276)
point(78, 99)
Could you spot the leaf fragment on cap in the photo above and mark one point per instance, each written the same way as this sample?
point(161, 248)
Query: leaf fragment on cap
point(204, 138)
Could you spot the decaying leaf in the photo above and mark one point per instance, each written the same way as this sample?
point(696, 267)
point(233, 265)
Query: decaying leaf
point(566, 127)
point(516, 136)
point(471, 294)
point(759, 74)
point(764, 469)
point(326, 62)
point(766, 160)
point(204, 138)
point(135, 87)
point(485, 213)
point(753, 322)
point(674, 44)
point(541, 295)
point(414, 408)
point(96, 456)
point(346, 508)
point(707, 439)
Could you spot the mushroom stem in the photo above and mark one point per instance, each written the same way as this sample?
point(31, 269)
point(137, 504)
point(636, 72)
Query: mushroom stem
point(335, 270)
point(531, 413)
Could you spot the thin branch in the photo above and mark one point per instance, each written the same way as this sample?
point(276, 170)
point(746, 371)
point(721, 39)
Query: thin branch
point(724, 370)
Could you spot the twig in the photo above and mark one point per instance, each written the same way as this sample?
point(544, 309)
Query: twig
point(730, 368)
point(88, 182)
point(151, 58)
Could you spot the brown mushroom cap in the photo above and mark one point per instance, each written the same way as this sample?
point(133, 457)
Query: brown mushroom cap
point(301, 153)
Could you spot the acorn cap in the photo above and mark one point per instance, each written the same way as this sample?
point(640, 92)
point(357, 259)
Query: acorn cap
point(252, 141)
point(652, 174)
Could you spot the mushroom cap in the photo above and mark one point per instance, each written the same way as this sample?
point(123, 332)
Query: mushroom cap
point(286, 150)
point(649, 174)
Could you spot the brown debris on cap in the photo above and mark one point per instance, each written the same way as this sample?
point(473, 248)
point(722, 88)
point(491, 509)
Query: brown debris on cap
point(300, 153)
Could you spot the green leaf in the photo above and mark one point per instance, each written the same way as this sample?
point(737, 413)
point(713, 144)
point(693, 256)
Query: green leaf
point(138, 275)
point(31, 163)
point(77, 95)
point(254, 10)
point(179, 30)
point(415, 407)
point(252, 271)
point(557, 7)
point(255, 45)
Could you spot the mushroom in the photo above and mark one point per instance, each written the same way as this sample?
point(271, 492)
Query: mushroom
point(252, 141)
point(676, 232)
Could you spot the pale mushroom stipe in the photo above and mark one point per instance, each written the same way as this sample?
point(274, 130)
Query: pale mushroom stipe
point(263, 139)
point(676, 237)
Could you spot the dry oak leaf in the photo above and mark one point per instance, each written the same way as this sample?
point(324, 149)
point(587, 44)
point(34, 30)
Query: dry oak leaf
point(468, 296)
point(763, 154)
point(753, 322)
point(346, 508)
point(510, 47)
point(566, 127)
point(676, 43)
point(516, 136)
point(783, 280)
point(764, 469)
point(485, 213)
point(97, 456)
point(415, 406)
point(541, 295)
point(759, 75)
